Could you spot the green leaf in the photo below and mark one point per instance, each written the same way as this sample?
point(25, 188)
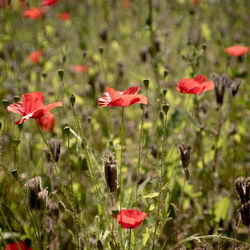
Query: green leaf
point(145, 237)
point(221, 209)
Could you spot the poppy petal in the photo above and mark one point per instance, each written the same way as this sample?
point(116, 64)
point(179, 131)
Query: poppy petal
point(53, 105)
point(200, 79)
point(32, 101)
point(114, 94)
point(131, 91)
point(16, 108)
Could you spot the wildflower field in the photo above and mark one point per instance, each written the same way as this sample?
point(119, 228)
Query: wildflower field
point(124, 124)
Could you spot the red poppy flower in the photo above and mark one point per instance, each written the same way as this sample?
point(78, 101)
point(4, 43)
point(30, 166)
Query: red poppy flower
point(31, 107)
point(47, 122)
point(194, 86)
point(33, 13)
point(64, 16)
point(236, 50)
point(126, 4)
point(35, 56)
point(22, 3)
point(48, 2)
point(81, 69)
point(130, 218)
point(22, 246)
point(121, 98)
point(2, 3)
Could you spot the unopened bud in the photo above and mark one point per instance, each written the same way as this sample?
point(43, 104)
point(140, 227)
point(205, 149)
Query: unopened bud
point(67, 130)
point(72, 99)
point(234, 86)
point(14, 173)
point(165, 73)
point(16, 98)
point(165, 108)
point(164, 91)
point(60, 74)
point(146, 83)
point(204, 46)
point(101, 50)
point(245, 214)
point(5, 103)
point(84, 53)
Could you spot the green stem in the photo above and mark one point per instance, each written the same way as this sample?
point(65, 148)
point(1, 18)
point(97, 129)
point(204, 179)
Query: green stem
point(120, 170)
point(62, 185)
point(139, 153)
point(161, 180)
point(9, 228)
point(97, 189)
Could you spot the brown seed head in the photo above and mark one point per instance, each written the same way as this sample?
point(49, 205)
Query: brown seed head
point(245, 214)
point(219, 88)
point(34, 186)
point(234, 86)
point(185, 154)
point(247, 188)
point(42, 198)
point(110, 169)
point(55, 148)
point(239, 186)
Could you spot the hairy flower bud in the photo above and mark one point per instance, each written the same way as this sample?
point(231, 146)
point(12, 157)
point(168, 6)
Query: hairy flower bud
point(219, 88)
point(110, 169)
point(234, 86)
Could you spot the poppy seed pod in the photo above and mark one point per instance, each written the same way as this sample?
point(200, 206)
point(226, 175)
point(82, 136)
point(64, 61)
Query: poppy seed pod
point(72, 100)
point(36, 198)
point(110, 169)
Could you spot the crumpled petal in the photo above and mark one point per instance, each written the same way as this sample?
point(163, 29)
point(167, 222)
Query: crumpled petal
point(17, 108)
point(32, 101)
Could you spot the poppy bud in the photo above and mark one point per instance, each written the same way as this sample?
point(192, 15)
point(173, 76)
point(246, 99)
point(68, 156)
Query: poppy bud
point(204, 46)
point(72, 99)
point(67, 130)
point(239, 186)
point(84, 53)
point(143, 54)
point(185, 154)
point(110, 169)
point(165, 73)
point(34, 186)
point(60, 74)
point(165, 108)
point(101, 50)
point(103, 35)
point(5, 103)
point(44, 75)
point(64, 58)
point(146, 83)
point(234, 86)
point(164, 91)
point(14, 173)
point(16, 98)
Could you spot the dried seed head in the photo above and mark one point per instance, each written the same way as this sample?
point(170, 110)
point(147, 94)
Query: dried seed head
point(234, 86)
point(185, 154)
point(247, 189)
point(239, 186)
point(34, 187)
point(219, 88)
point(55, 148)
point(245, 214)
point(110, 169)
point(42, 198)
